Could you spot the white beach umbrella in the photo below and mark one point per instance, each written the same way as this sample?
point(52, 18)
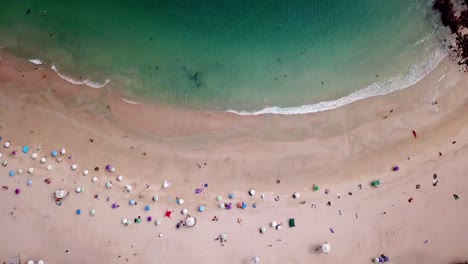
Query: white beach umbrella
point(221, 205)
point(223, 236)
point(274, 224)
point(166, 184)
point(7, 144)
point(78, 189)
point(85, 173)
point(92, 212)
point(30, 170)
point(376, 260)
point(41, 262)
point(49, 167)
point(157, 222)
point(252, 192)
point(155, 198)
point(60, 193)
point(219, 198)
point(180, 201)
point(112, 169)
point(262, 229)
point(30, 262)
point(63, 151)
point(326, 248)
point(59, 159)
point(296, 195)
point(74, 167)
point(43, 160)
point(278, 227)
point(94, 179)
point(124, 221)
point(4, 163)
point(190, 221)
point(120, 178)
point(184, 211)
point(108, 184)
point(20, 171)
point(128, 188)
point(256, 260)
point(34, 156)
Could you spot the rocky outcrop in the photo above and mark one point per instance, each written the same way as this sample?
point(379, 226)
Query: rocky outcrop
point(448, 10)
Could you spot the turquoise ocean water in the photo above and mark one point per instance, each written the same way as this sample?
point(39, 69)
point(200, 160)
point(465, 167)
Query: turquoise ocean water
point(279, 56)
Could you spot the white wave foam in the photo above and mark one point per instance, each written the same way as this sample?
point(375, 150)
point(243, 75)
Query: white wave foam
point(36, 61)
point(415, 74)
point(86, 82)
point(130, 102)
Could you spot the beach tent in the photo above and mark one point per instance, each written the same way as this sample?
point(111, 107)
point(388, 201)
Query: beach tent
point(191, 221)
point(326, 248)
point(292, 222)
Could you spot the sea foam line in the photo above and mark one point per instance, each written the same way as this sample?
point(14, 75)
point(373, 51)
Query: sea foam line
point(86, 82)
point(130, 102)
point(387, 86)
point(36, 61)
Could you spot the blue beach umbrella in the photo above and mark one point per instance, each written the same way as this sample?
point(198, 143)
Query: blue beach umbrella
point(132, 202)
point(244, 205)
point(25, 149)
point(201, 208)
point(78, 212)
point(147, 208)
point(231, 196)
point(30, 182)
point(11, 173)
point(54, 153)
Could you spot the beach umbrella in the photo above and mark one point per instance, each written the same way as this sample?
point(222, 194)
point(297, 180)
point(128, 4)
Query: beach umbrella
point(7, 144)
point(30, 262)
point(4, 163)
point(54, 153)
point(20, 171)
point(256, 260)
point(168, 214)
point(138, 220)
point(63, 151)
point(78, 212)
point(180, 201)
point(108, 167)
point(74, 167)
point(78, 189)
point(34, 156)
point(11, 173)
point(49, 167)
point(17, 191)
point(124, 221)
point(262, 229)
point(190, 221)
point(326, 248)
point(221, 205)
point(376, 260)
point(147, 208)
point(166, 184)
point(244, 205)
point(30, 182)
point(132, 202)
point(128, 188)
point(231, 196)
point(60, 193)
point(296, 195)
point(316, 187)
point(229, 206)
point(219, 198)
point(25, 149)
point(59, 160)
point(155, 198)
point(252, 192)
point(85, 173)
point(108, 184)
point(262, 196)
point(94, 179)
point(184, 211)
point(43, 160)
point(129, 222)
point(112, 169)
point(274, 224)
point(92, 212)
point(149, 218)
point(223, 236)
point(278, 227)
point(120, 178)
point(41, 262)
point(157, 222)
point(201, 208)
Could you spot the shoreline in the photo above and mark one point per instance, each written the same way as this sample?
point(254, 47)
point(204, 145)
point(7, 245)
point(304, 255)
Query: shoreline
point(336, 149)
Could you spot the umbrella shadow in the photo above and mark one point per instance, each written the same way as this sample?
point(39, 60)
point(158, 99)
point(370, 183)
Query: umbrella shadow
point(314, 249)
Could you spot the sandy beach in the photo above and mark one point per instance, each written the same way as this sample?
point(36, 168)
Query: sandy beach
point(341, 150)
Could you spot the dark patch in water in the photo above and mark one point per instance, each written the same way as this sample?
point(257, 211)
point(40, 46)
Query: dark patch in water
point(194, 77)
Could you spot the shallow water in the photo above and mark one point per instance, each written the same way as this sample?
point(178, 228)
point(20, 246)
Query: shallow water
point(241, 55)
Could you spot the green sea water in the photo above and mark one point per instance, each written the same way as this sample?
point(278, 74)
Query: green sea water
point(230, 54)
